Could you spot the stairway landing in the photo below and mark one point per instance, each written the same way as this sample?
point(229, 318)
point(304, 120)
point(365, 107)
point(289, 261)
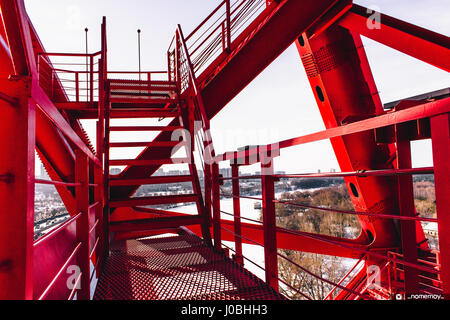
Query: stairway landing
point(176, 268)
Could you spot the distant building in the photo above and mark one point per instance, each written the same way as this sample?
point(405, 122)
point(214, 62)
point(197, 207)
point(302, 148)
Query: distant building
point(431, 229)
point(225, 172)
point(332, 170)
point(114, 171)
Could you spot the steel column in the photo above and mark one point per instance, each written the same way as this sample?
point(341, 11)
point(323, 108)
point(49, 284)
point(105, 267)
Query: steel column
point(237, 214)
point(440, 134)
point(270, 225)
point(17, 142)
point(407, 209)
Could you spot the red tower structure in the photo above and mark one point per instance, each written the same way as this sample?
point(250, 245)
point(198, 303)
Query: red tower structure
point(107, 236)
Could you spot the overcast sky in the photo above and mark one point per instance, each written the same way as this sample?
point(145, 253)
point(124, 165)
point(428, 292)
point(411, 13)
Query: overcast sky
point(279, 104)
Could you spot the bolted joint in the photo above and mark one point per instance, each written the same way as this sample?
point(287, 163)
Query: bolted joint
point(14, 102)
point(7, 178)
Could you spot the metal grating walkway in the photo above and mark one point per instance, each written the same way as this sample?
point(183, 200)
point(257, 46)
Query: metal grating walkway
point(176, 268)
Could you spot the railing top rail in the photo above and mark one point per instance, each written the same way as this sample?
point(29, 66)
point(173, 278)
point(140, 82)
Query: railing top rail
point(362, 173)
point(425, 110)
point(137, 72)
point(55, 231)
point(69, 54)
point(206, 19)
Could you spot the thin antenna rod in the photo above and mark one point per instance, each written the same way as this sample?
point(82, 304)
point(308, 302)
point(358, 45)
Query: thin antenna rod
point(87, 63)
point(139, 52)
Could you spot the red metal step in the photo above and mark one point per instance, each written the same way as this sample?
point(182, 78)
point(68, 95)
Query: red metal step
point(147, 201)
point(137, 99)
point(154, 223)
point(146, 128)
point(144, 113)
point(151, 144)
point(151, 180)
point(154, 162)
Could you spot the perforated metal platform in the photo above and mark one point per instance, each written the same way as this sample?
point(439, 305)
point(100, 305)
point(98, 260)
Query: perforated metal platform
point(176, 268)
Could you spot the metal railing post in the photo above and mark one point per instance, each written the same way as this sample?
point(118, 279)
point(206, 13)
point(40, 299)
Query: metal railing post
point(237, 214)
point(91, 79)
point(440, 138)
point(77, 87)
point(98, 199)
point(406, 208)
point(169, 67)
point(82, 224)
point(177, 61)
point(270, 240)
point(216, 207)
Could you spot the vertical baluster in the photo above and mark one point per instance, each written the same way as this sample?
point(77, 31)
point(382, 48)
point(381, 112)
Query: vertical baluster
point(169, 67)
point(228, 22)
point(82, 224)
point(216, 207)
point(224, 37)
point(440, 136)
point(77, 87)
point(98, 198)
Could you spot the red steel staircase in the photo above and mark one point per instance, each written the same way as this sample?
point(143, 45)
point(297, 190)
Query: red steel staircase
point(107, 235)
point(152, 99)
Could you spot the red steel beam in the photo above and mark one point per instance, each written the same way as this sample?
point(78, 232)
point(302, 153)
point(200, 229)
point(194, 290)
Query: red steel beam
point(407, 209)
point(417, 42)
point(17, 200)
point(347, 72)
point(425, 110)
point(272, 37)
point(17, 28)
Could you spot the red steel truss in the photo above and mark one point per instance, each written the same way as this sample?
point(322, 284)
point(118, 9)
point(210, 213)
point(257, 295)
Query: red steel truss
point(42, 104)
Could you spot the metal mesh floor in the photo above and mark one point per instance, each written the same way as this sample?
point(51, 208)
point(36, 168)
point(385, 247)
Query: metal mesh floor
point(176, 268)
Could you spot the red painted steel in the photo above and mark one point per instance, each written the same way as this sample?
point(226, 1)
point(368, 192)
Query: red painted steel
point(440, 126)
point(206, 70)
point(237, 214)
point(176, 267)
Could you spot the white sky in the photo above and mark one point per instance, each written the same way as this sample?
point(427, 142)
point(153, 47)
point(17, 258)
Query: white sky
point(279, 104)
